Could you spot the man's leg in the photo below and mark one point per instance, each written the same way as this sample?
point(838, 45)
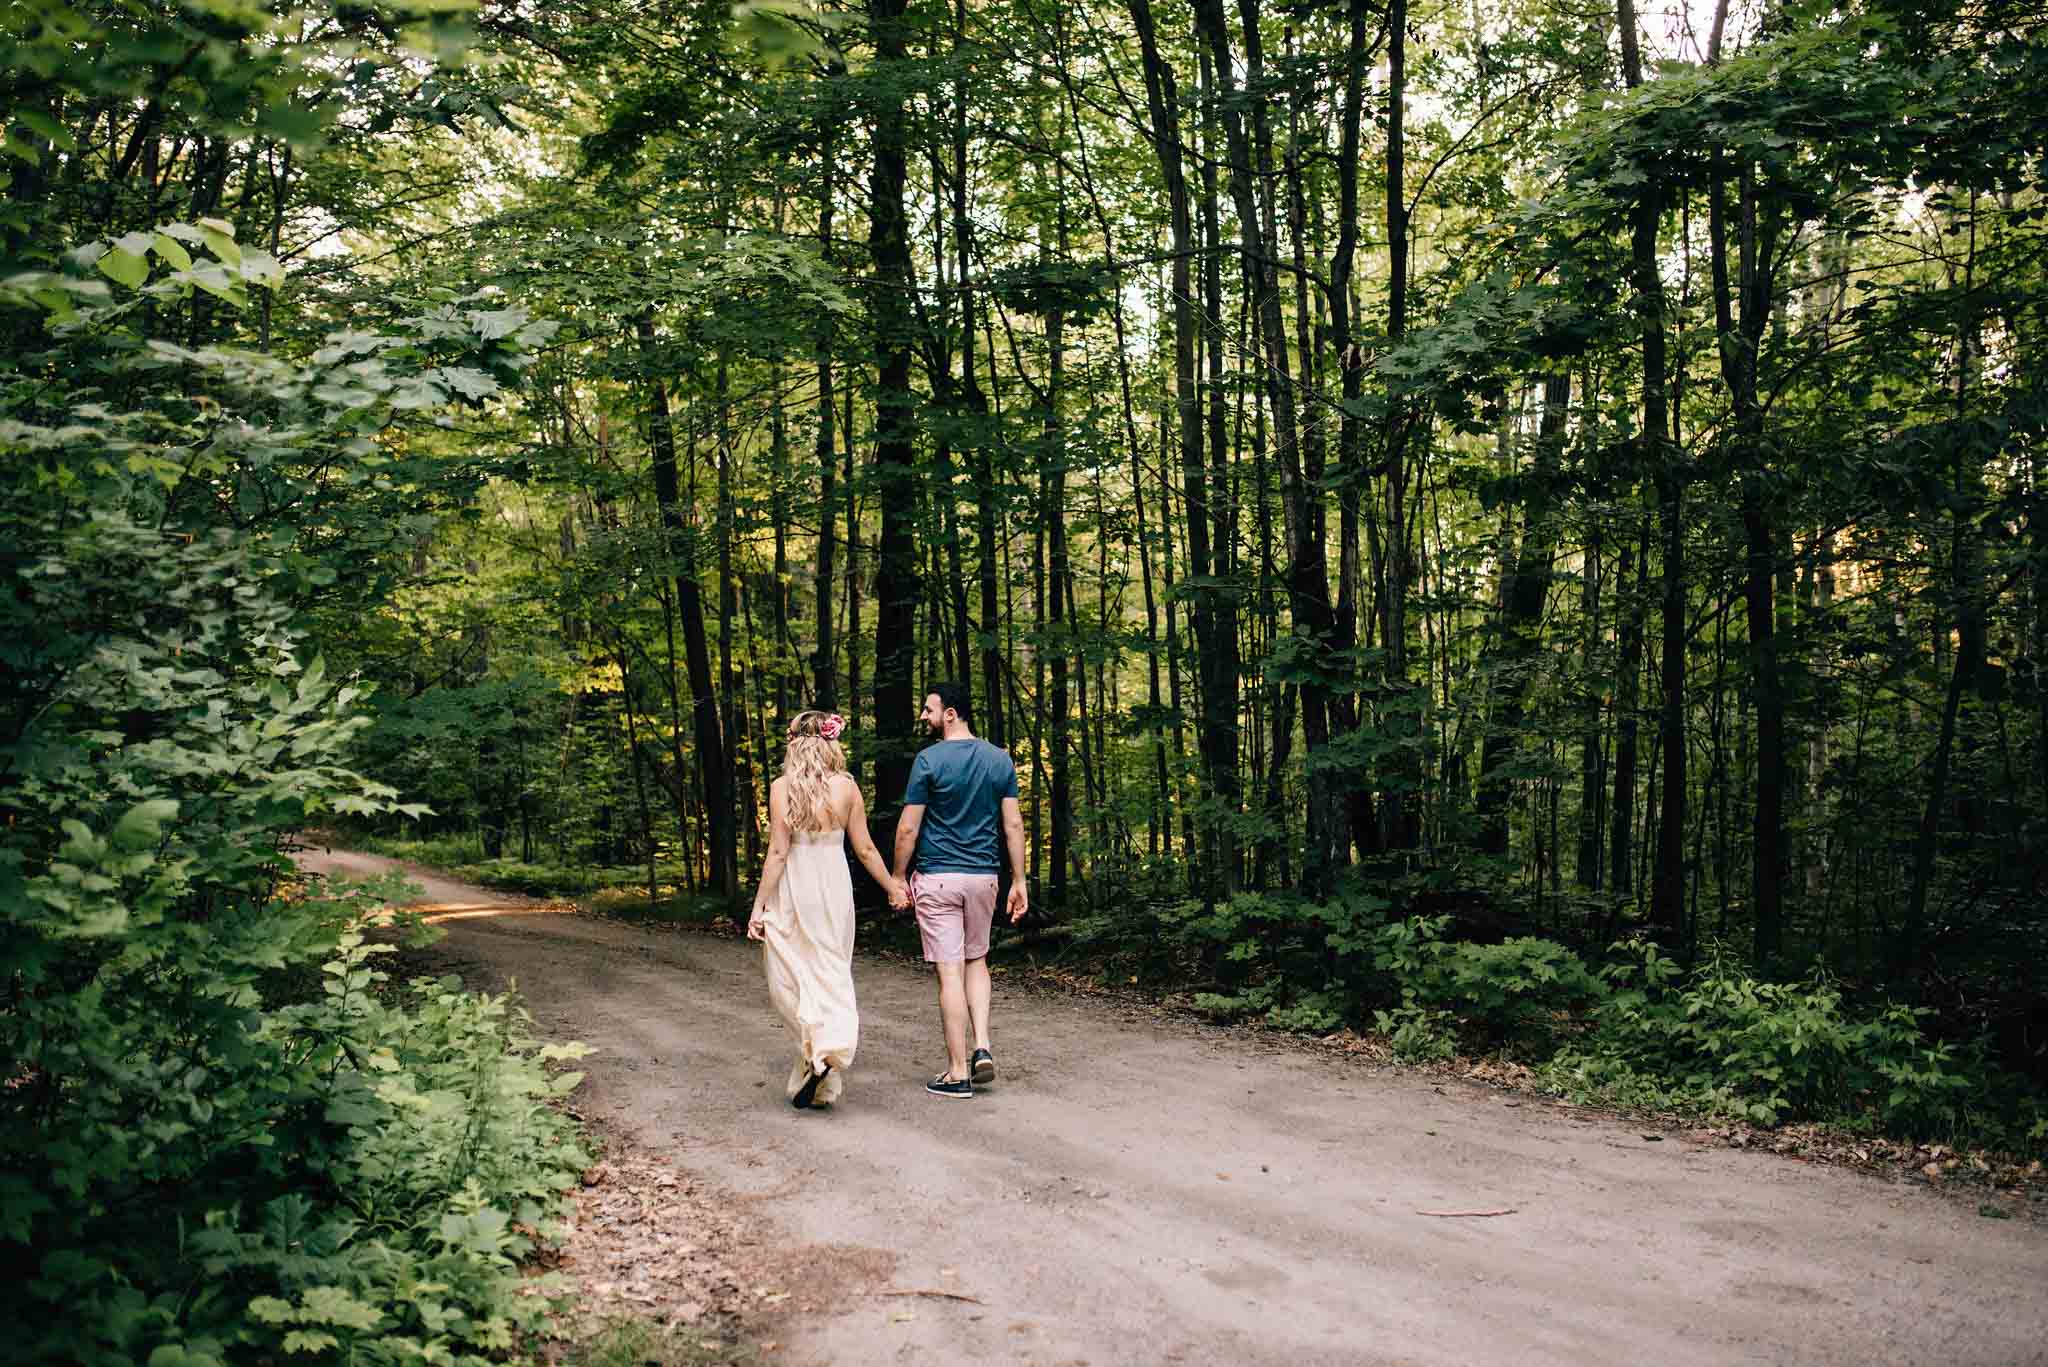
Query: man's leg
point(953, 1015)
point(974, 981)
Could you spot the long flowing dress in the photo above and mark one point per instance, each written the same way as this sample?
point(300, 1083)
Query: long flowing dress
point(807, 951)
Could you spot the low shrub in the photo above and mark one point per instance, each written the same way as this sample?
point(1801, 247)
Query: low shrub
point(224, 1136)
point(1717, 1039)
point(1418, 1034)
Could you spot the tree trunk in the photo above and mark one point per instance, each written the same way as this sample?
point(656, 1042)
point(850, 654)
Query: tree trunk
point(1401, 819)
point(1586, 870)
point(981, 459)
point(1667, 910)
point(825, 689)
point(713, 766)
point(896, 587)
point(1215, 662)
point(1629, 598)
point(1352, 477)
point(1510, 652)
point(1308, 579)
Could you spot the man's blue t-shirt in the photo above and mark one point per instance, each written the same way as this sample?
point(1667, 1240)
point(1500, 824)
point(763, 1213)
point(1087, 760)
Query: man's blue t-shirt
point(961, 785)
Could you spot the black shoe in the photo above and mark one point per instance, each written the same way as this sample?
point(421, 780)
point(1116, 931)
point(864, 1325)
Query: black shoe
point(945, 1086)
point(804, 1094)
point(984, 1065)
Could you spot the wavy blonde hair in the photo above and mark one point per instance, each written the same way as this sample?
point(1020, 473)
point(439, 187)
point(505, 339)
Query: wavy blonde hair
point(807, 766)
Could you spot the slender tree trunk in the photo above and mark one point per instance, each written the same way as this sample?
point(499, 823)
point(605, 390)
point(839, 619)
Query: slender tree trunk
point(1667, 911)
point(728, 611)
point(1220, 704)
point(1629, 598)
point(825, 689)
point(1308, 579)
point(1510, 652)
point(981, 458)
point(1215, 663)
point(1742, 308)
point(1401, 819)
point(853, 574)
point(1586, 870)
point(713, 766)
point(1059, 625)
point(896, 587)
point(1351, 426)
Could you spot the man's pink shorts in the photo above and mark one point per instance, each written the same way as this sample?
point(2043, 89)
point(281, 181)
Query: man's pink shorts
point(953, 914)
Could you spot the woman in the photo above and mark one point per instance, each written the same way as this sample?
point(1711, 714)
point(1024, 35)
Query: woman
point(803, 914)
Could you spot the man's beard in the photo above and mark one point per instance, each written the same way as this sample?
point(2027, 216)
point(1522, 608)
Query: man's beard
point(935, 729)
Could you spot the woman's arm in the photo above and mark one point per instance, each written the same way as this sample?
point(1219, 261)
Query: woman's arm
point(864, 844)
point(778, 856)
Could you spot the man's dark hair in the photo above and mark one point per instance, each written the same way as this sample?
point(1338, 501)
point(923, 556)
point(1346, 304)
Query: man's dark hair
point(956, 697)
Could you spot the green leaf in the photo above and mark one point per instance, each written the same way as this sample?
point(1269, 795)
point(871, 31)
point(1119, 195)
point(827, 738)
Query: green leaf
point(56, 134)
point(172, 250)
point(178, 1355)
point(491, 325)
point(262, 268)
point(220, 240)
point(310, 1341)
point(125, 268)
point(143, 823)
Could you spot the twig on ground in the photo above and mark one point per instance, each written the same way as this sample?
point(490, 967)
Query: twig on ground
point(935, 1295)
point(1465, 1214)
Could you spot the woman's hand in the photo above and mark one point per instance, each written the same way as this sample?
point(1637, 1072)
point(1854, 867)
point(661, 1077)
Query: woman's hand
point(757, 927)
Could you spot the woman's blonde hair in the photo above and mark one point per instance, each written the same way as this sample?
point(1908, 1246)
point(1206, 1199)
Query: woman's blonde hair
point(808, 764)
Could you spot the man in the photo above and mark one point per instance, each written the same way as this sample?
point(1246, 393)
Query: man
point(959, 788)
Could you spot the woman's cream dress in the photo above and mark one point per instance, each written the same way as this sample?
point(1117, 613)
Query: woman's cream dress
point(807, 950)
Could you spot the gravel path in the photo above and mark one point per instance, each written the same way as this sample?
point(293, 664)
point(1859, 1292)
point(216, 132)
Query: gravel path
point(1137, 1190)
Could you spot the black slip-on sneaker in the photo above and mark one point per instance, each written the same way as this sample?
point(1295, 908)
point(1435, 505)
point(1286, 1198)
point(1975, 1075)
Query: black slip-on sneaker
point(806, 1093)
point(945, 1086)
point(984, 1065)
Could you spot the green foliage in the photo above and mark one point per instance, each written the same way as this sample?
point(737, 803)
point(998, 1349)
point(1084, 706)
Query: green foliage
point(1641, 1031)
point(1308, 965)
point(1418, 1034)
point(1519, 988)
point(1719, 1040)
point(197, 1164)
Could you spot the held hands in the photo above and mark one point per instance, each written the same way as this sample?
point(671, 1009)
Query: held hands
point(899, 894)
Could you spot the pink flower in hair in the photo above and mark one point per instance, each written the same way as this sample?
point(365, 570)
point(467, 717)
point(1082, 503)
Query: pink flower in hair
point(830, 727)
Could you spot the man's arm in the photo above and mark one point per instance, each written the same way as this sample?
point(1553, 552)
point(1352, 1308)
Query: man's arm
point(907, 826)
point(1013, 836)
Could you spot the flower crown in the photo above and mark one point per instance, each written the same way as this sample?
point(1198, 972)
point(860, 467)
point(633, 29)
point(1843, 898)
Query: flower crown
point(830, 726)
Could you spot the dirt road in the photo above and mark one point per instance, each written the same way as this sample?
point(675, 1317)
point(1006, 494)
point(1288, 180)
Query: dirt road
point(1144, 1191)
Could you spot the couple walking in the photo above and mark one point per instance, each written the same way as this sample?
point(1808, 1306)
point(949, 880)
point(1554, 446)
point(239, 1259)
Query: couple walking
point(959, 812)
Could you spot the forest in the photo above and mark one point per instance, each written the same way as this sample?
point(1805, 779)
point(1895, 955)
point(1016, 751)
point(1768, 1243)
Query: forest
point(1520, 524)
